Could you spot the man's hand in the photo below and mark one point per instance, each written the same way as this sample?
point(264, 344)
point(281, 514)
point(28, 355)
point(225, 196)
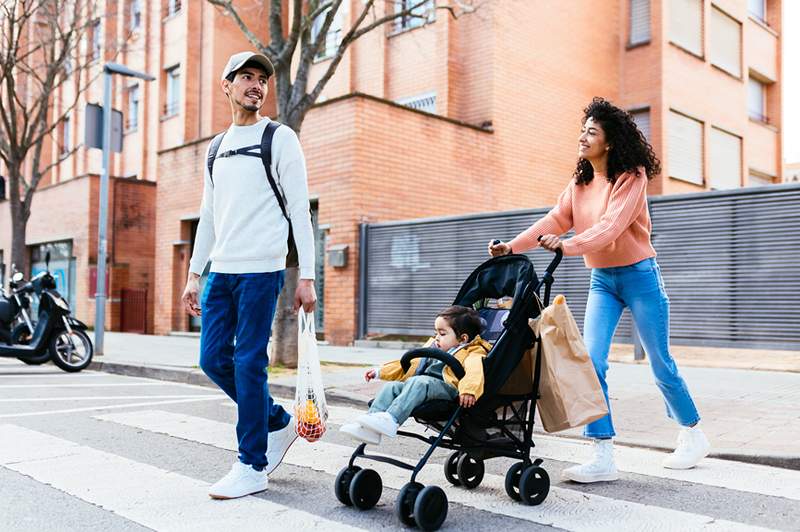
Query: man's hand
point(467, 400)
point(305, 295)
point(190, 295)
point(550, 242)
point(369, 375)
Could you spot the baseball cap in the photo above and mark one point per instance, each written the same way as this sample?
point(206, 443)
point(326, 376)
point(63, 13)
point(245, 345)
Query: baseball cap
point(237, 61)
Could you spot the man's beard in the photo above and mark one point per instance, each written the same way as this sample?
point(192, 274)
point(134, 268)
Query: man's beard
point(248, 107)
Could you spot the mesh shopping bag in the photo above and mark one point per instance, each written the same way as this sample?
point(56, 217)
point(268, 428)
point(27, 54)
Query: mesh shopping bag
point(310, 409)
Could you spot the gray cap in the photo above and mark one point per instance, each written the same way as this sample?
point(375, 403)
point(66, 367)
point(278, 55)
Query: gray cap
point(237, 61)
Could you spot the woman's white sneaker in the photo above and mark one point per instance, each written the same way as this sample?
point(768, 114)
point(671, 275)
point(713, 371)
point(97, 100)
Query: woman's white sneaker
point(692, 447)
point(599, 469)
point(241, 480)
point(359, 433)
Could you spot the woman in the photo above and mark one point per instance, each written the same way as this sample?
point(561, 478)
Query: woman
point(606, 204)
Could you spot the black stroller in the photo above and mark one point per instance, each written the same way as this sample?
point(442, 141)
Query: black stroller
point(500, 423)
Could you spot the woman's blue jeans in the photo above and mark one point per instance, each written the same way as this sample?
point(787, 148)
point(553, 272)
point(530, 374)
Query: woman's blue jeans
point(237, 320)
point(640, 288)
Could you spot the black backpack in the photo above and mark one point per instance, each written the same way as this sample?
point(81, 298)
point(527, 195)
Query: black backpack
point(264, 151)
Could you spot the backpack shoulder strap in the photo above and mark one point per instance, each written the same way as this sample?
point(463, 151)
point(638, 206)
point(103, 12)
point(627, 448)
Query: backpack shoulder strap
point(212, 154)
point(266, 159)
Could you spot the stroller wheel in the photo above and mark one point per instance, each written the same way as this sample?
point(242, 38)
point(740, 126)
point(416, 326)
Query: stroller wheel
point(534, 485)
point(404, 505)
point(430, 508)
point(470, 471)
point(451, 469)
point(512, 480)
point(342, 485)
point(365, 489)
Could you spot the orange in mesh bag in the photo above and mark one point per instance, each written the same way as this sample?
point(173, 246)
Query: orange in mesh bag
point(310, 408)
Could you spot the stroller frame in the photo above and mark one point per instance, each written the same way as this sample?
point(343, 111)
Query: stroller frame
point(526, 481)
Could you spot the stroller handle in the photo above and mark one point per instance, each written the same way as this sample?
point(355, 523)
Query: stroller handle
point(433, 352)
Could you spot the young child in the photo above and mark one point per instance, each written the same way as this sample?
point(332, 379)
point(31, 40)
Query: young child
point(456, 331)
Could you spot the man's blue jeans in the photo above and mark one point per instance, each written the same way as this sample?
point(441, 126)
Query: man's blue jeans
point(237, 320)
point(640, 288)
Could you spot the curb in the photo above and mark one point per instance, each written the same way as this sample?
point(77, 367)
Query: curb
point(198, 378)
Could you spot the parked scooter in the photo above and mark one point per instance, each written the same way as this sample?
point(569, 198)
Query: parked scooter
point(57, 332)
point(16, 326)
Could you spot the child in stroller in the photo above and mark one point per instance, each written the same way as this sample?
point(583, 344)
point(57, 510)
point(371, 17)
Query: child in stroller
point(427, 379)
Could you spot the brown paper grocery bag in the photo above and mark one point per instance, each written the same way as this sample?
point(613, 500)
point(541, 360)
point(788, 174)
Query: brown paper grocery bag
point(570, 391)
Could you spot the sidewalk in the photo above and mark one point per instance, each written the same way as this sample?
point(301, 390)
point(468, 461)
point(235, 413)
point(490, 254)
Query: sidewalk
point(748, 414)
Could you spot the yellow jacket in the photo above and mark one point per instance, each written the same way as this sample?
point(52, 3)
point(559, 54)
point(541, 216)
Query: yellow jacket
point(470, 356)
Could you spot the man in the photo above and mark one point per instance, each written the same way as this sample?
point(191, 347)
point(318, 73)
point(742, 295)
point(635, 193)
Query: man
point(244, 232)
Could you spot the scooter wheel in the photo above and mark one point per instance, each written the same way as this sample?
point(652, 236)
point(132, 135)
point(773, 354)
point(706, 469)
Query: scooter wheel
point(71, 351)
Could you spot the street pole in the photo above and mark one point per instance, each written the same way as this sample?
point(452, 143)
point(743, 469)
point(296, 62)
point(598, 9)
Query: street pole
point(102, 223)
point(102, 241)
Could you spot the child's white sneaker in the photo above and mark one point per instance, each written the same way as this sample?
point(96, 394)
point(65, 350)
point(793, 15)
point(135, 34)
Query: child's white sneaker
point(359, 433)
point(692, 447)
point(600, 468)
point(380, 422)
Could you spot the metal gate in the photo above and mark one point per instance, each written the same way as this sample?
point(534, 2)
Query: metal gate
point(730, 261)
point(133, 311)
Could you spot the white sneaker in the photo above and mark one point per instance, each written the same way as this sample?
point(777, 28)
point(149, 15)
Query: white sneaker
point(359, 433)
point(692, 447)
point(241, 480)
point(380, 422)
point(600, 468)
point(278, 442)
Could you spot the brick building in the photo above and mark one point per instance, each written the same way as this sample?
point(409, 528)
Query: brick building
point(457, 116)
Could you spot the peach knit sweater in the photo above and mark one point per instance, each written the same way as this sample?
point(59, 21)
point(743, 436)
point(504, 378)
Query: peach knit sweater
point(611, 222)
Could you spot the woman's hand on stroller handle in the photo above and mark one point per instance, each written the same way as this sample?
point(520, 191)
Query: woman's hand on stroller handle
point(550, 242)
point(498, 248)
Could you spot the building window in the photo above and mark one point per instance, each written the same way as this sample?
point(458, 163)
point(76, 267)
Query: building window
point(136, 15)
point(641, 118)
point(172, 8)
point(758, 9)
point(133, 108)
point(757, 100)
point(423, 102)
point(334, 37)
point(685, 148)
point(96, 35)
point(726, 160)
point(421, 12)
point(65, 136)
point(726, 42)
point(640, 22)
point(173, 91)
point(686, 25)
point(757, 179)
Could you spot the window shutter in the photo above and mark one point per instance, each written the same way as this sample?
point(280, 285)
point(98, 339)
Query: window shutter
point(642, 120)
point(726, 42)
point(640, 21)
point(726, 160)
point(755, 100)
point(685, 148)
point(686, 24)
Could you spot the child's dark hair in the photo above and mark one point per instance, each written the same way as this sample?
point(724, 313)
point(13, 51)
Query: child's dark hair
point(463, 320)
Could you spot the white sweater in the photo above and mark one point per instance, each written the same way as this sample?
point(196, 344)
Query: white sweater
point(242, 228)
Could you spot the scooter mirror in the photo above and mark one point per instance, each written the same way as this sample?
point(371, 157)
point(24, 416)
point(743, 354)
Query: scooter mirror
point(17, 277)
point(47, 261)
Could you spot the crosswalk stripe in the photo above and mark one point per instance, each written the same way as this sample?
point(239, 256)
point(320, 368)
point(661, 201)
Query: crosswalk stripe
point(195, 399)
point(751, 478)
point(152, 497)
point(564, 508)
point(68, 398)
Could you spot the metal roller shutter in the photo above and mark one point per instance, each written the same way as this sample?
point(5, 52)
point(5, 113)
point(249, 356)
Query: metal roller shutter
point(685, 148)
point(726, 160)
point(730, 261)
point(686, 24)
point(726, 42)
point(640, 21)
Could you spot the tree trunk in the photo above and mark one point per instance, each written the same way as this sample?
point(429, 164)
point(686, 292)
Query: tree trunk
point(284, 328)
point(19, 219)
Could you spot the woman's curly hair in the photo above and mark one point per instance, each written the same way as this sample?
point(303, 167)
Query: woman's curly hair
point(628, 147)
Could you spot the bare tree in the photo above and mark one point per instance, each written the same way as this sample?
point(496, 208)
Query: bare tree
point(292, 49)
point(45, 46)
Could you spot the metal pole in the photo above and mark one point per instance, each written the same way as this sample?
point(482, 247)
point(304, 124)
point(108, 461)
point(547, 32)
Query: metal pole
point(100, 295)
